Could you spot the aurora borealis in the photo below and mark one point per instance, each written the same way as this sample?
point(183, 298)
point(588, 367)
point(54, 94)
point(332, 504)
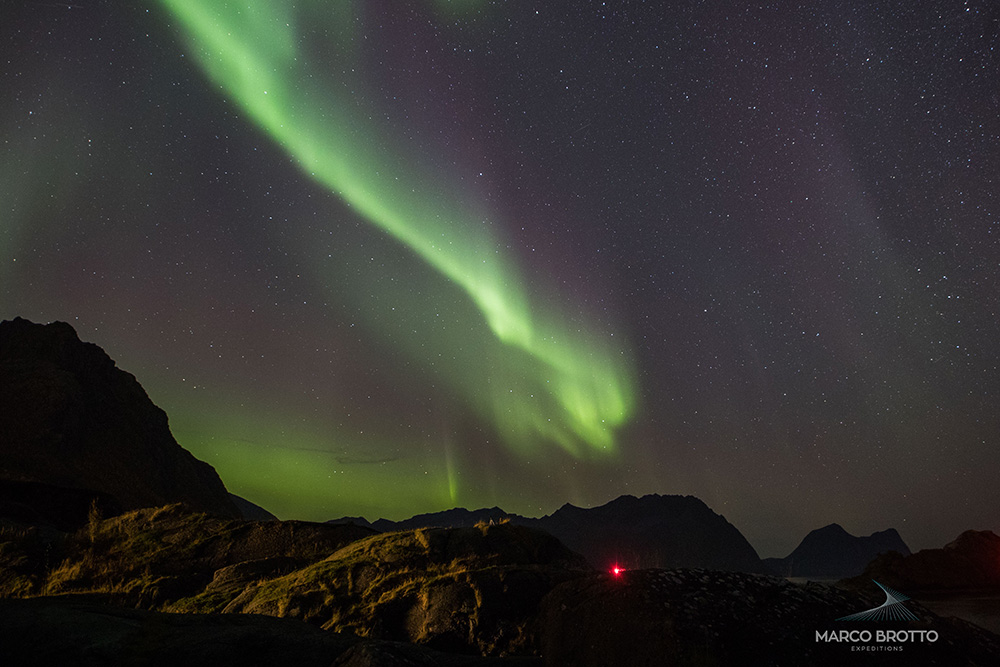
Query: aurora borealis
point(384, 258)
point(563, 389)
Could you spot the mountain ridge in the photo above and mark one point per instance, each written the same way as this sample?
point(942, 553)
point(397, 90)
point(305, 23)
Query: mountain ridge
point(833, 553)
point(649, 531)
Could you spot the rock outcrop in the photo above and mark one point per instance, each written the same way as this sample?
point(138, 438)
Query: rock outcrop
point(833, 553)
point(468, 590)
point(70, 418)
point(157, 558)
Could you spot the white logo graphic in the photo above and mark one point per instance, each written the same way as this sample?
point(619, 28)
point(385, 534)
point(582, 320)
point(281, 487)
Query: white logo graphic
point(890, 610)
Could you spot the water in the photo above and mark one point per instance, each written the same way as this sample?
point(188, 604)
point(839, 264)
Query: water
point(981, 608)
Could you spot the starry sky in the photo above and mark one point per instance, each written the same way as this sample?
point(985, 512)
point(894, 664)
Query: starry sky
point(384, 257)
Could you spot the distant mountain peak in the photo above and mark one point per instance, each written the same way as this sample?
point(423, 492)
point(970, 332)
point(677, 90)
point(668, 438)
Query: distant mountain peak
point(831, 528)
point(832, 552)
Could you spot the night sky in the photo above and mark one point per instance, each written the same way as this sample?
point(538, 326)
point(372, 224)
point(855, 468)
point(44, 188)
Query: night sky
point(390, 257)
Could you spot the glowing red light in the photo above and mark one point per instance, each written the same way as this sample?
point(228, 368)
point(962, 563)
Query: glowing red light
point(616, 571)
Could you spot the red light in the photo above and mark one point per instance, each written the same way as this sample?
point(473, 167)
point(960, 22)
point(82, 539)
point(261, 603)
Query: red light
point(616, 571)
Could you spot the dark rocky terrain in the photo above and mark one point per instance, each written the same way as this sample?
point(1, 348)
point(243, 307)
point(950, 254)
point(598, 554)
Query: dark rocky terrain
point(69, 418)
point(345, 596)
point(153, 557)
point(42, 632)
point(472, 590)
point(651, 531)
point(833, 553)
point(464, 590)
point(649, 618)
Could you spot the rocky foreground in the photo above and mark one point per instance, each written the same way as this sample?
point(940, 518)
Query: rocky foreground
point(80, 632)
point(172, 586)
point(703, 617)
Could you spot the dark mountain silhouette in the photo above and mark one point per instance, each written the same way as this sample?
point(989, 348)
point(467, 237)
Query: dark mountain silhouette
point(356, 520)
point(70, 418)
point(652, 531)
point(458, 517)
point(251, 511)
point(831, 552)
point(972, 561)
point(49, 506)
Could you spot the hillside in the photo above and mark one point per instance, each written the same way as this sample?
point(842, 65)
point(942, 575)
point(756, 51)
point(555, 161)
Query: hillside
point(472, 590)
point(152, 557)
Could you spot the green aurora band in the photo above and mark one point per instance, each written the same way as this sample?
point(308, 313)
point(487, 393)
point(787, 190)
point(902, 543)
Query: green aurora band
point(581, 384)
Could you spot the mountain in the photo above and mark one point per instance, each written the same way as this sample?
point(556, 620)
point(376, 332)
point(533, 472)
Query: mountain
point(458, 517)
point(971, 561)
point(651, 531)
point(833, 553)
point(69, 418)
point(251, 511)
point(54, 507)
point(355, 520)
